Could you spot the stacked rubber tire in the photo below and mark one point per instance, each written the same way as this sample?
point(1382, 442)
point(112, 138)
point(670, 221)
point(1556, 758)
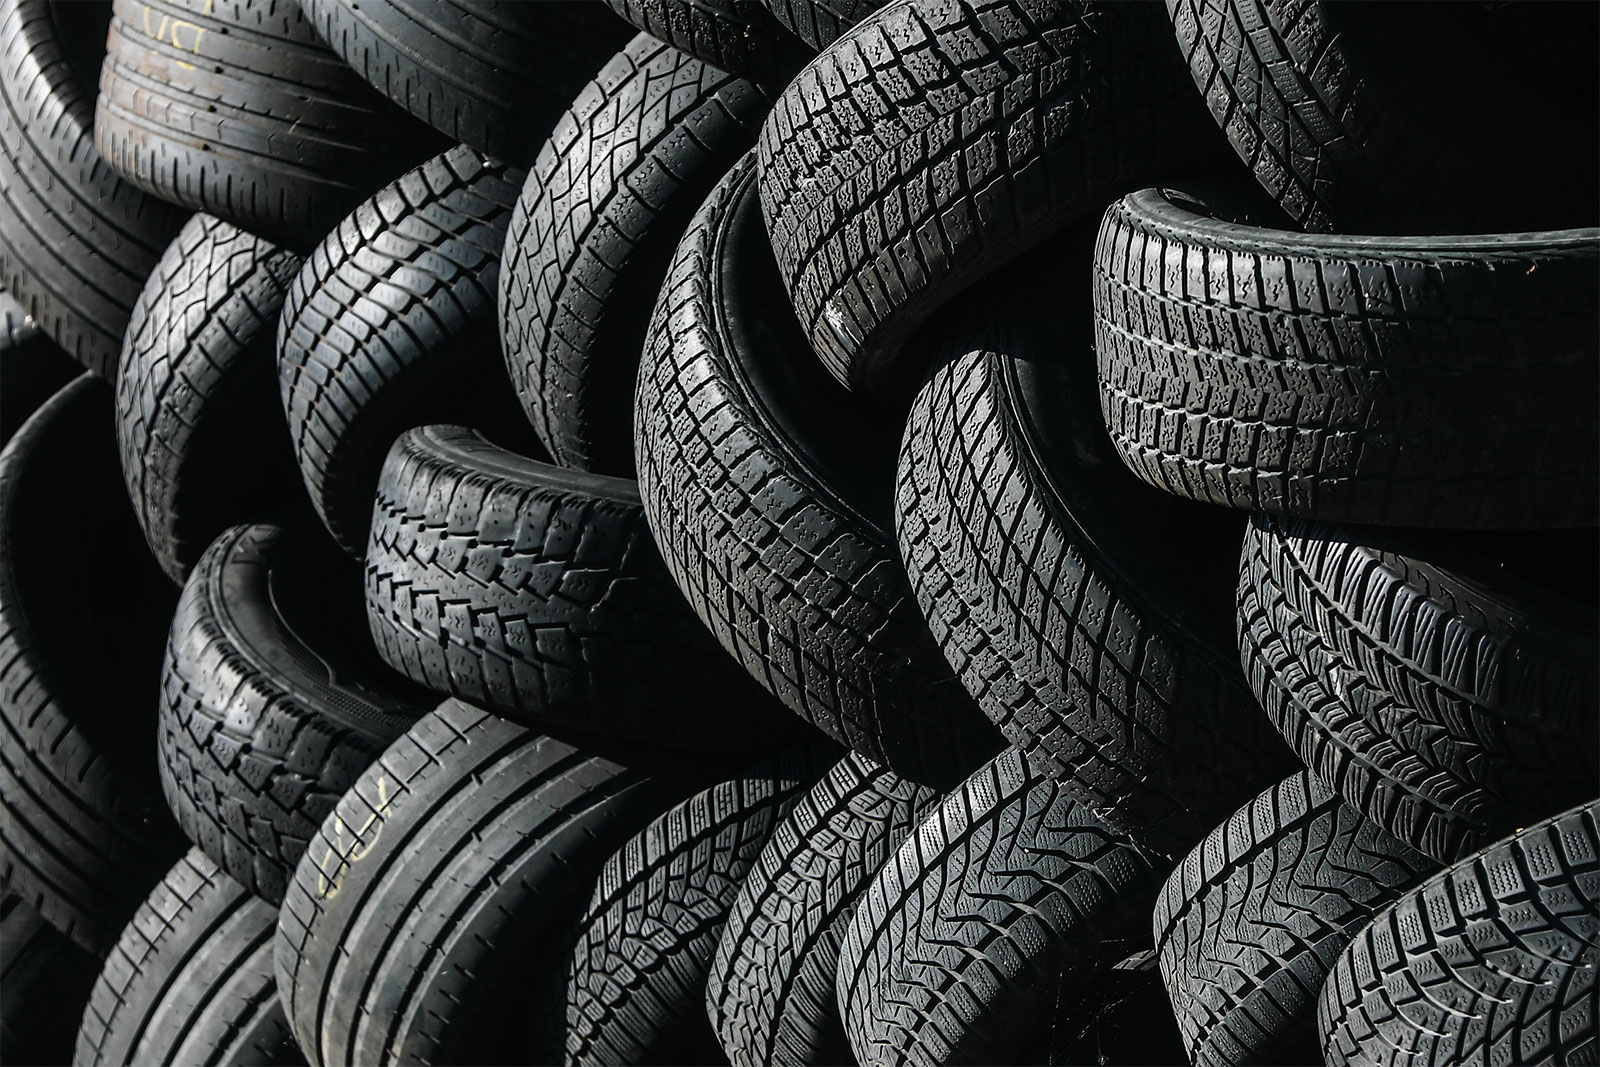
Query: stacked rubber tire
point(799, 532)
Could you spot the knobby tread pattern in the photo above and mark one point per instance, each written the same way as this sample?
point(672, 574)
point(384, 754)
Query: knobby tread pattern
point(260, 731)
point(820, 22)
point(771, 991)
point(737, 36)
point(76, 240)
point(1491, 961)
point(391, 324)
point(1248, 924)
point(44, 982)
point(200, 439)
point(1008, 898)
point(1431, 381)
point(610, 195)
point(636, 982)
point(538, 593)
point(798, 584)
point(83, 830)
point(236, 108)
point(1447, 703)
point(434, 895)
point(937, 139)
point(493, 75)
point(190, 980)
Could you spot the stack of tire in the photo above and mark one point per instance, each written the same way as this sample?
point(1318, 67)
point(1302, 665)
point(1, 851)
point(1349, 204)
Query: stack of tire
point(799, 531)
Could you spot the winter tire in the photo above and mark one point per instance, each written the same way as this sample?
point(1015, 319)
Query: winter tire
point(737, 36)
point(44, 981)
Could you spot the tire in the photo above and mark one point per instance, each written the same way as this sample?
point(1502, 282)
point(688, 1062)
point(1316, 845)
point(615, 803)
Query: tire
point(1125, 1018)
point(593, 235)
point(1339, 378)
point(1444, 694)
point(44, 981)
point(190, 980)
point(201, 441)
point(1008, 899)
point(1248, 923)
point(820, 22)
point(1491, 961)
point(763, 482)
point(391, 324)
point(938, 139)
point(1353, 129)
point(267, 128)
point(1085, 613)
point(494, 76)
point(32, 368)
point(441, 891)
point(739, 37)
point(83, 830)
point(771, 992)
point(637, 979)
point(273, 701)
point(76, 240)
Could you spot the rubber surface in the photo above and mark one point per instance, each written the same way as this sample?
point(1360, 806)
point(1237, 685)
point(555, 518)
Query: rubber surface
point(44, 983)
point(637, 979)
point(1443, 693)
point(273, 700)
point(76, 240)
point(83, 830)
point(1424, 381)
point(32, 368)
point(236, 108)
point(201, 442)
point(767, 488)
point(428, 922)
point(820, 22)
point(391, 324)
point(770, 992)
point(737, 36)
point(1248, 924)
point(609, 197)
point(492, 74)
point(1008, 899)
point(538, 593)
point(937, 139)
point(1492, 961)
point(190, 980)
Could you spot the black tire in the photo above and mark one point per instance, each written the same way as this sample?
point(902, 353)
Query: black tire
point(391, 324)
point(201, 440)
point(32, 368)
point(1422, 381)
point(44, 981)
point(1009, 899)
point(273, 701)
point(1124, 1018)
point(266, 128)
point(767, 487)
point(76, 240)
point(493, 75)
point(937, 139)
point(429, 920)
point(737, 36)
point(1492, 961)
point(538, 593)
point(771, 991)
point(1358, 128)
point(1086, 613)
point(190, 980)
point(1248, 924)
point(83, 830)
point(1444, 694)
point(636, 985)
point(820, 22)
point(593, 235)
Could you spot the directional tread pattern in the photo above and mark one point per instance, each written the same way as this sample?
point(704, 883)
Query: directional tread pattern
point(737, 36)
point(771, 991)
point(391, 324)
point(200, 440)
point(1009, 898)
point(636, 983)
point(190, 980)
point(611, 193)
point(1449, 705)
point(1492, 961)
point(1416, 381)
point(1248, 923)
